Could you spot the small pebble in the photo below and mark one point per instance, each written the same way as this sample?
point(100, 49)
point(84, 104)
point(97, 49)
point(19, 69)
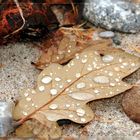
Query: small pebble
point(117, 39)
point(6, 120)
point(131, 104)
point(106, 34)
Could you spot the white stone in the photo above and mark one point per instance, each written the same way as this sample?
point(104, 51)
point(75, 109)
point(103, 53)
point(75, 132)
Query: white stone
point(106, 34)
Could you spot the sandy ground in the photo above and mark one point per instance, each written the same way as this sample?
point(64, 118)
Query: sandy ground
point(18, 73)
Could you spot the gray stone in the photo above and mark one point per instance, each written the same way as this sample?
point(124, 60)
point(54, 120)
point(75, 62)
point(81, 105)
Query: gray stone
point(106, 34)
point(5, 118)
point(119, 15)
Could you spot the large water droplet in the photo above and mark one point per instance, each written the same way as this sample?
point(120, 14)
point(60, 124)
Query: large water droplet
point(46, 79)
point(117, 69)
point(67, 105)
point(112, 84)
point(24, 113)
point(71, 116)
point(69, 80)
point(57, 79)
point(81, 85)
point(133, 64)
point(53, 92)
point(81, 96)
point(84, 60)
point(28, 99)
point(101, 79)
point(83, 120)
point(41, 88)
point(96, 91)
point(53, 106)
point(26, 94)
point(89, 68)
point(53, 116)
point(78, 75)
point(107, 58)
point(80, 112)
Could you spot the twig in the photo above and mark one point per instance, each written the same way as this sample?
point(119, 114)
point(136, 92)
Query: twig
point(22, 16)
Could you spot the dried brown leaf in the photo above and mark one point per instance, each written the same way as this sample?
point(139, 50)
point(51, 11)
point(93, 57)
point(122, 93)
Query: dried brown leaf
point(65, 44)
point(66, 15)
point(63, 92)
point(42, 130)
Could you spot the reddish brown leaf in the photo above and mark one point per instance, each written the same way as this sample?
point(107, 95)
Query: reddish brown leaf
point(65, 44)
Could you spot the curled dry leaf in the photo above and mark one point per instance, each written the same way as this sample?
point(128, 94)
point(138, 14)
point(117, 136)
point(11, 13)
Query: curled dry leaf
point(66, 15)
point(65, 43)
point(43, 129)
point(63, 92)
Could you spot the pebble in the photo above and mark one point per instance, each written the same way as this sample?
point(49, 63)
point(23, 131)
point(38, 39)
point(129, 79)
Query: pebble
point(119, 15)
point(106, 34)
point(6, 109)
point(117, 39)
point(131, 104)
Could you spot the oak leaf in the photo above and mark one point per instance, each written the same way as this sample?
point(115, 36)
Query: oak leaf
point(65, 43)
point(63, 92)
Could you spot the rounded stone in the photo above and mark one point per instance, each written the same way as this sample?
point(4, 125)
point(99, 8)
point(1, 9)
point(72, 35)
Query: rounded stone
point(120, 15)
point(106, 34)
point(131, 104)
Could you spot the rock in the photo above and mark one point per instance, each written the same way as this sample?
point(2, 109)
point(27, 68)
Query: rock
point(106, 34)
point(120, 15)
point(6, 118)
point(131, 104)
point(117, 39)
